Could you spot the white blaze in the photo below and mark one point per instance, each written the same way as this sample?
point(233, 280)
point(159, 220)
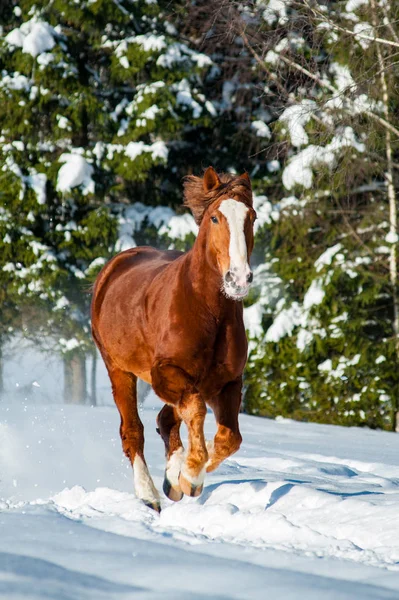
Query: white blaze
point(235, 213)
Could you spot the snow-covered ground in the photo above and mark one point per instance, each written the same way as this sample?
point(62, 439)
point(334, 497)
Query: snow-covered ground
point(302, 511)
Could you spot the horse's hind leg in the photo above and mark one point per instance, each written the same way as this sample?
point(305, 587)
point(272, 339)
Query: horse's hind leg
point(168, 422)
point(132, 435)
point(226, 407)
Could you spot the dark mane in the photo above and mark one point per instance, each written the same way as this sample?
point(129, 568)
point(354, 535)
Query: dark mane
point(198, 200)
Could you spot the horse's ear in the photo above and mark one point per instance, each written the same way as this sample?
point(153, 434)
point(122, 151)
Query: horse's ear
point(211, 180)
point(246, 177)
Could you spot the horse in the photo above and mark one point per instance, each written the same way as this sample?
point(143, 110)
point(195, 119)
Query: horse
point(175, 320)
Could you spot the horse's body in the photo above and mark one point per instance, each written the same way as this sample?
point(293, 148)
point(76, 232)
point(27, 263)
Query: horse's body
point(163, 317)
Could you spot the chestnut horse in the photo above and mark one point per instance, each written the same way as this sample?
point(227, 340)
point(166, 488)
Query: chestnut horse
point(176, 321)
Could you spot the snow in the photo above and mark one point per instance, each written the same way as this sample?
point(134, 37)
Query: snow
point(185, 98)
point(273, 166)
point(299, 315)
point(296, 117)
point(276, 11)
point(326, 257)
point(163, 218)
point(265, 211)
point(149, 42)
point(34, 37)
point(314, 294)
point(68, 345)
point(179, 227)
point(74, 172)
point(392, 237)
point(299, 169)
point(45, 59)
point(178, 53)
point(261, 129)
point(253, 319)
point(352, 5)
point(364, 29)
point(268, 286)
point(343, 78)
point(302, 510)
point(16, 81)
point(37, 181)
point(157, 150)
point(63, 122)
point(284, 323)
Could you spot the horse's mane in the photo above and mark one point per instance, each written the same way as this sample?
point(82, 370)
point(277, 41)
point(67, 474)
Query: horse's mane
point(198, 200)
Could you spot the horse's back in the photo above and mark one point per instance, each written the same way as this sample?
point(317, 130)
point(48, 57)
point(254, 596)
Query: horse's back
point(141, 265)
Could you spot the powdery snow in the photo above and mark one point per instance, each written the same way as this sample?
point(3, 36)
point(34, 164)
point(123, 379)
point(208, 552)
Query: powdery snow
point(75, 171)
point(163, 218)
point(299, 170)
point(302, 511)
point(299, 315)
point(34, 37)
point(261, 129)
point(276, 10)
point(352, 5)
point(296, 117)
point(37, 181)
point(314, 294)
point(284, 323)
point(327, 257)
point(157, 150)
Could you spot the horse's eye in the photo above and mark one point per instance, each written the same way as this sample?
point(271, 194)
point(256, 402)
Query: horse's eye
point(214, 220)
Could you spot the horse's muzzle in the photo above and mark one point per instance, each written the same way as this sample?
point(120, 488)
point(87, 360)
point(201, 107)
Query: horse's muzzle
point(237, 287)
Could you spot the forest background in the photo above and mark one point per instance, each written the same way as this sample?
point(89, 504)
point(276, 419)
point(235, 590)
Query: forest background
point(107, 104)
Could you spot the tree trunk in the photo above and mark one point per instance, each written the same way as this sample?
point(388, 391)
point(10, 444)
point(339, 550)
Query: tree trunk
point(393, 270)
point(1, 372)
point(75, 379)
point(93, 379)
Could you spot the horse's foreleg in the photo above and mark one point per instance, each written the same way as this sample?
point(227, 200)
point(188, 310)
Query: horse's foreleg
point(193, 410)
point(132, 435)
point(168, 422)
point(175, 387)
point(226, 407)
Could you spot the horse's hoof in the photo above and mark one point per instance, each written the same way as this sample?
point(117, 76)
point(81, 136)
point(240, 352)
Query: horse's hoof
point(172, 492)
point(155, 505)
point(189, 488)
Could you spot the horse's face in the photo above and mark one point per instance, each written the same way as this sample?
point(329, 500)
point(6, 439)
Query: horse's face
point(231, 240)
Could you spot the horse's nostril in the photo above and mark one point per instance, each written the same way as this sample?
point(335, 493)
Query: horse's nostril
point(228, 277)
point(250, 277)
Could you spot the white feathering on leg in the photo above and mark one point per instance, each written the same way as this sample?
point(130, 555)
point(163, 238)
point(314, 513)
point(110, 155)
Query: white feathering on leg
point(197, 480)
point(143, 484)
point(173, 467)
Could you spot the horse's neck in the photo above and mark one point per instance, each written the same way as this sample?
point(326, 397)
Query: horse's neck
point(205, 279)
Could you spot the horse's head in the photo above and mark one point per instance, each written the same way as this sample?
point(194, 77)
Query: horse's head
point(222, 206)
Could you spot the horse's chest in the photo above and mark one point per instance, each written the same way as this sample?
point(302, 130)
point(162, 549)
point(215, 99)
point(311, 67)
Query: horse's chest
point(225, 359)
